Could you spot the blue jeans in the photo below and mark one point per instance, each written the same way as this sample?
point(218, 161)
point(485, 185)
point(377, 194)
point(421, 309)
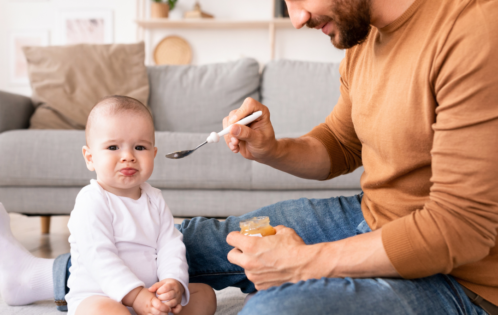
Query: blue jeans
point(315, 220)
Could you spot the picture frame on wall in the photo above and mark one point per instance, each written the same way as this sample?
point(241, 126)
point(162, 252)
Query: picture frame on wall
point(18, 64)
point(85, 27)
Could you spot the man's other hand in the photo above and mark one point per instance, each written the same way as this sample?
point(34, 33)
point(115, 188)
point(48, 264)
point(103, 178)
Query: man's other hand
point(272, 260)
point(255, 141)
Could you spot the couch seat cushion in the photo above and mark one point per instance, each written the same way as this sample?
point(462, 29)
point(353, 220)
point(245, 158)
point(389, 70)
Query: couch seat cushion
point(197, 98)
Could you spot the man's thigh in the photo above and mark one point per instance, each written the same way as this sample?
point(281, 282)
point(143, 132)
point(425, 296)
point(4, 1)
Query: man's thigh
point(315, 220)
point(439, 294)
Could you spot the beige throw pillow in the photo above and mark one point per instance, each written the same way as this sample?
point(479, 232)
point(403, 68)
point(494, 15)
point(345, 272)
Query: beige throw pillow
point(67, 81)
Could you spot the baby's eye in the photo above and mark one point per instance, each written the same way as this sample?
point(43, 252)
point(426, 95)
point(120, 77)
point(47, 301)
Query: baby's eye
point(113, 147)
point(139, 148)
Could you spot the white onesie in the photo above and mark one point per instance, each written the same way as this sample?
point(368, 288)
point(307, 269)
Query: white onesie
point(118, 244)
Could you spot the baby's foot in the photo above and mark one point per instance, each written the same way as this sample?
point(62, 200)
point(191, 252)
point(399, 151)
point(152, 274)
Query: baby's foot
point(24, 278)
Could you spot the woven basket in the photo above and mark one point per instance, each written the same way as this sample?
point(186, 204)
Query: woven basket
point(172, 50)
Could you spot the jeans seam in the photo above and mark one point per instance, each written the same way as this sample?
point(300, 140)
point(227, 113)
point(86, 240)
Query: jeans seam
point(455, 290)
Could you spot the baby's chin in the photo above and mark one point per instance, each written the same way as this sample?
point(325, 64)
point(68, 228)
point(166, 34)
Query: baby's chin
point(123, 185)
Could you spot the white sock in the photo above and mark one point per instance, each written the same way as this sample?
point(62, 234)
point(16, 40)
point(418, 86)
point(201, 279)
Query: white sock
point(24, 278)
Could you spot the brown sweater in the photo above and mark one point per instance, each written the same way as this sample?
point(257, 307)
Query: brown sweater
point(419, 110)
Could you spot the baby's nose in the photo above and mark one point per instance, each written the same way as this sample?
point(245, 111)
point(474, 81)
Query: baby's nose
point(128, 157)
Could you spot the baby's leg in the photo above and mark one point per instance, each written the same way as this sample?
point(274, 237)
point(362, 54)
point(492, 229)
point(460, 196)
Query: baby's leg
point(101, 305)
point(202, 300)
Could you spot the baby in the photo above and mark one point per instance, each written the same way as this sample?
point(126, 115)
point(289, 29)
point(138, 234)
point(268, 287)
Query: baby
point(126, 254)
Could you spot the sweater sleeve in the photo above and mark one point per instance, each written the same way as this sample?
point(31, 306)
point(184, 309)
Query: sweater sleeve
point(171, 252)
point(337, 134)
point(91, 228)
point(459, 223)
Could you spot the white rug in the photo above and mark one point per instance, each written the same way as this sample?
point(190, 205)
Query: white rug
point(230, 302)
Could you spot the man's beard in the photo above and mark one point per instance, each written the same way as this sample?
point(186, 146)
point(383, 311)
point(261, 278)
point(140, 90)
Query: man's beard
point(352, 20)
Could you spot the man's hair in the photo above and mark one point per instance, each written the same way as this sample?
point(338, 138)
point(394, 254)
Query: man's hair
point(111, 105)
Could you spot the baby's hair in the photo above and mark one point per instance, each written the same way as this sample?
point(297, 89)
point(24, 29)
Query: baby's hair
point(111, 105)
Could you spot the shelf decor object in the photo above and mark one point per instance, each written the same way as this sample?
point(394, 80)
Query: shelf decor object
point(173, 50)
point(197, 13)
point(159, 9)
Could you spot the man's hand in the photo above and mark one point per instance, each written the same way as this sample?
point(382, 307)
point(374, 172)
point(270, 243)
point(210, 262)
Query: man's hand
point(284, 257)
point(256, 141)
point(271, 260)
point(145, 302)
point(170, 291)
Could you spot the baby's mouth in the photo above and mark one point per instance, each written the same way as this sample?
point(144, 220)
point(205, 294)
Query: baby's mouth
point(128, 171)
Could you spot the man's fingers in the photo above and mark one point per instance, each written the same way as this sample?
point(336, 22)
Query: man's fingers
point(236, 257)
point(238, 240)
point(282, 229)
point(241, 132)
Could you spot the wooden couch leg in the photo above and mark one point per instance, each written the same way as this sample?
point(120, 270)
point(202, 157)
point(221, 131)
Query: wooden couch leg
point(45, 224)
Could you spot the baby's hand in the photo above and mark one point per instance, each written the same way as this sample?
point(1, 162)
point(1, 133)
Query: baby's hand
point(146, 303)
point(170, 291)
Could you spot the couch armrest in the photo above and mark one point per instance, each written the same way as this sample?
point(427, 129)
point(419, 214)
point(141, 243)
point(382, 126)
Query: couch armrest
point(15, 111)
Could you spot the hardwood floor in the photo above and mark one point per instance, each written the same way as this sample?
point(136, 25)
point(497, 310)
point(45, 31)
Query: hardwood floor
point(28, 231)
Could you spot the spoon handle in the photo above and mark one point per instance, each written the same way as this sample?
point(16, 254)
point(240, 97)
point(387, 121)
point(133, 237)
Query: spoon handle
point(244, 121)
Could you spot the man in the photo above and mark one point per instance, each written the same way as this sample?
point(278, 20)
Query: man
point(419, 110)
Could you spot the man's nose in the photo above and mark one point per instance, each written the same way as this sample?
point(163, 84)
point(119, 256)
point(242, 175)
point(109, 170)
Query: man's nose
point(298, 15)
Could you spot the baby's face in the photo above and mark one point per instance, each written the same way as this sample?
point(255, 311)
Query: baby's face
point(121, 151)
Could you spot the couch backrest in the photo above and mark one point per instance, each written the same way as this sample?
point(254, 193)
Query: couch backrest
point(299, 94)
point(197, 98)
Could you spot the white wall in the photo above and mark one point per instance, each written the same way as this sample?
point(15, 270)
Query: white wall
point(208, 45)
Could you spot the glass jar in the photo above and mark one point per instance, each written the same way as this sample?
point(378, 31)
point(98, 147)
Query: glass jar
point(257, 226)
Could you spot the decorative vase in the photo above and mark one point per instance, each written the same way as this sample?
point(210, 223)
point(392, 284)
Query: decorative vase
point(159, 10)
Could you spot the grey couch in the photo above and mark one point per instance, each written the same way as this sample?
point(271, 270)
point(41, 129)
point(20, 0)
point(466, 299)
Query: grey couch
point(42, 171)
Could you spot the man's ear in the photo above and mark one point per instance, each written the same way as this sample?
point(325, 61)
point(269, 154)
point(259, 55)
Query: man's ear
point(87, 155)
point(155, 151)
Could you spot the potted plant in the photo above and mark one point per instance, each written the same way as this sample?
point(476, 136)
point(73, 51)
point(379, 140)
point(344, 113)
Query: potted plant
point(161, 8)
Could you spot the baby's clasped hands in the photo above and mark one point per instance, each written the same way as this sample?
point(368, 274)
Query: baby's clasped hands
point(170, 291)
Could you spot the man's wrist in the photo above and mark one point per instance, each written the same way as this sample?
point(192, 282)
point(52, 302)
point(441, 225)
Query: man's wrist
point(320, 263)
point(275, 153)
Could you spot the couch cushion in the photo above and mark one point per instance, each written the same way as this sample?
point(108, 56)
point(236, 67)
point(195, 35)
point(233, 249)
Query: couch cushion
point(299, 94)
point(197, 98)
point(68, 81)
point(43, 158)
point(53, 158)
point(213, 166)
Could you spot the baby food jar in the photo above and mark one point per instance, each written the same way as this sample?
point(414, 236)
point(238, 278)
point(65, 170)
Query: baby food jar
point(257, 226)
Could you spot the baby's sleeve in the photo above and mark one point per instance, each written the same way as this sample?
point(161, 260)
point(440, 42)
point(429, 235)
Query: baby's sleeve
point(171, 252)
point(91, 228)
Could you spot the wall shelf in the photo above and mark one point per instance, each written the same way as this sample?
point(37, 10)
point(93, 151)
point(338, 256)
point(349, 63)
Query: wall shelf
point(212, 24)
point(146, 25)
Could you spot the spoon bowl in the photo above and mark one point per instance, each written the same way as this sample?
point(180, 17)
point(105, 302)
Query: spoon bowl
point(245, 121)
point(181, 154)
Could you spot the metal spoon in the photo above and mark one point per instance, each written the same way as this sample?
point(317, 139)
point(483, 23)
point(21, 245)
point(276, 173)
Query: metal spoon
point(245, 121)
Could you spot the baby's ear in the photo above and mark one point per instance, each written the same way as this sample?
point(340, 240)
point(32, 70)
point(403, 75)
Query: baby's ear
point(155, 151)
point(87, 155)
